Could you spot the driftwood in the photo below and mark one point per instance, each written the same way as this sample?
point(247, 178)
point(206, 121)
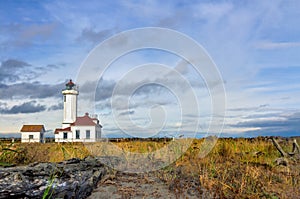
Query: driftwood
point(296, 148)
point(294, 155)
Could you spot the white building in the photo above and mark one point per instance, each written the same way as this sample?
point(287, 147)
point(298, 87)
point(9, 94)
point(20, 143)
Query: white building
point(32, 133)
point(76, 129)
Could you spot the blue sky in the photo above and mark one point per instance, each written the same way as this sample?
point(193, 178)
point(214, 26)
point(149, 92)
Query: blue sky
point(254, 44)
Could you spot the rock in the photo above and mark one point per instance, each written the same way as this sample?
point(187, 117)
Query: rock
point(74, 178)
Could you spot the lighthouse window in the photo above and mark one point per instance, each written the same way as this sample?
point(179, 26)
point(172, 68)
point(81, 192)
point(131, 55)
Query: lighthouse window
point(64, 98)
point(77, 134)
point(88, 134)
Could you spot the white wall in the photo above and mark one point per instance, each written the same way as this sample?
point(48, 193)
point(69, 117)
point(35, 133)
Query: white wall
point(60, 137)
point(72, 135)
point(83, 133)
point(70, 106)
point(36, 137)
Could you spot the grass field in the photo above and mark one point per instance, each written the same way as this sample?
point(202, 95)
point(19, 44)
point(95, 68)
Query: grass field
point(234, 168)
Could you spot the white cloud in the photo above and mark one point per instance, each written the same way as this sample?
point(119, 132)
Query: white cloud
point(269, 45)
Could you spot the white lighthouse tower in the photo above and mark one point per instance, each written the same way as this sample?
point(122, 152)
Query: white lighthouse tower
point(76, 129)
point(70, 104)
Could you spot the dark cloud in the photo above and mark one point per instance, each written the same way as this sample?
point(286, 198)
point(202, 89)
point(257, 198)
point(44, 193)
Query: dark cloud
point(13, 70)
point(131, 112)
point(93, 36)
point(53, 66)
point(103, 91)
point(259, 116)
point(105, 88)
point(30, 90)
point(141, 88)
point(13, 64)
point(144, 87)
point(10, 70)
point(44, 69)
point(120, 105)
point(287, 124)
point(59, 106)
point(151, 88)
point(27, 107)
point(254, 108)
point(262, 124)
point(264, 105)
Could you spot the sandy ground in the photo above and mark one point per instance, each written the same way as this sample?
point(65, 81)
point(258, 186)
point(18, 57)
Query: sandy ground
point(126, 185)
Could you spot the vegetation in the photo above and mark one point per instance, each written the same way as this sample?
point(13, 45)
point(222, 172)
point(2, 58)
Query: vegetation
point(25, 153)
point(234, 168)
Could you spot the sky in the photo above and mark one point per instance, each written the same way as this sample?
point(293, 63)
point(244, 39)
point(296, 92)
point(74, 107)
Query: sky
point(254, 45)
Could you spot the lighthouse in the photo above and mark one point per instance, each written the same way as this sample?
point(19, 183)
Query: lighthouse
point(70, 104)
point(76, 129)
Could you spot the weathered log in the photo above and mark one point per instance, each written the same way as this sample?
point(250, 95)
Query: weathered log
point(278, 147)
point(294, 155)
point(296, 149)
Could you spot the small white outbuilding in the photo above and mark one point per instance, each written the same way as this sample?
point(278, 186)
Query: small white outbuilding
point(32, 133)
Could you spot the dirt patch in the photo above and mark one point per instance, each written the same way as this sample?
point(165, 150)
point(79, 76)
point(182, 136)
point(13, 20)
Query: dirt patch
point(128, 185)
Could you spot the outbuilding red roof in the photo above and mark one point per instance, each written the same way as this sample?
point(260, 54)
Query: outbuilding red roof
point(32, 128)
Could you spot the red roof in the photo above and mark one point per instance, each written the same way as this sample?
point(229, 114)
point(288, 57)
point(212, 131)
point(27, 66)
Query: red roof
point(32, 128)
point(84, 121)
point(60, 130)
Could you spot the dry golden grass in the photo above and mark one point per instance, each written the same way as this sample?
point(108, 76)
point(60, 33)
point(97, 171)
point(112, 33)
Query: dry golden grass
point(25, 153)
point(234, 168)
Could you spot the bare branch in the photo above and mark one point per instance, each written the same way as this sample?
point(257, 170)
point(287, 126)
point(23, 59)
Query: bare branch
point(278, 147)
point(296, 148)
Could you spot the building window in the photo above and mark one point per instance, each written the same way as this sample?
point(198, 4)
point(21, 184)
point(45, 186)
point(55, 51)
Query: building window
point(65, 135)
point(88, 134)
point(65, 98)
point(30, 137)
point(77, 134)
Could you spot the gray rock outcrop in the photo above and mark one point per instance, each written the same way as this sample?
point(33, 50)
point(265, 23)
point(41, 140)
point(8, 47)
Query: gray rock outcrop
point(74, 178)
